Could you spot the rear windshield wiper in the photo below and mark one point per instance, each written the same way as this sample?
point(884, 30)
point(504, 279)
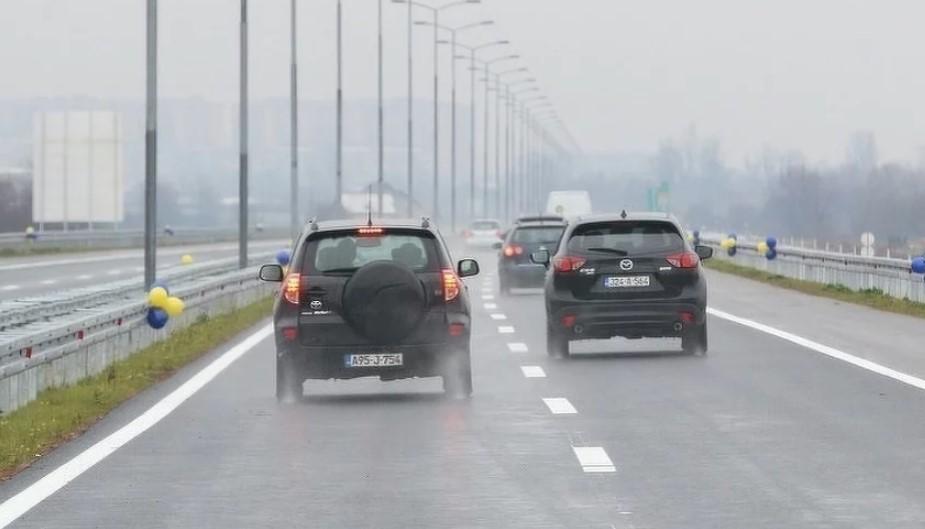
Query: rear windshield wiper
point(340, 270)
point(614, 251)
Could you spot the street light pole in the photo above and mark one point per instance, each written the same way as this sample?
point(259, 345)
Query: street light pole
point(339, 150)
point(242, 160)
point(410, 110)
point(151, 144)
point(294, 130)
point(381, 139)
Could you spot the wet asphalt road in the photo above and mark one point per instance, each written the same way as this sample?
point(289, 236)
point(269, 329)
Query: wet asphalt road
point(761, 433)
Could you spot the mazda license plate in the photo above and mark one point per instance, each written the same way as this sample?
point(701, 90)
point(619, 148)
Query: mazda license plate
point(626, 281)
point(374, 360)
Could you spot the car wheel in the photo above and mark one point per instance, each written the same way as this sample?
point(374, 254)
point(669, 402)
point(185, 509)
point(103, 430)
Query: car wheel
point(556, 344)
point(695, 340)
point(288, 382)
point(457, 382)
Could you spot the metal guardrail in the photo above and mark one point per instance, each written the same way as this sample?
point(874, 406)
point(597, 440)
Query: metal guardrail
point(892, 276)
point(110, 238)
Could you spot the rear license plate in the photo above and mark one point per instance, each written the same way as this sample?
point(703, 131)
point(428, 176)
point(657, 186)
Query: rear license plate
point(374, 360)
point(626, 281)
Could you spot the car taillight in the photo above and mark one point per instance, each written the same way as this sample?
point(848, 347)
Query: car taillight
point(683, 260)
point(450, 285)
point(467, 233)
point(513, 249)
point(567, 263)
point(292, 287)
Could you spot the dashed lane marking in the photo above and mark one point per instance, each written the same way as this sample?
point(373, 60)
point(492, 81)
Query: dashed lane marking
point(84, 277)
point(506, 329)
point(533, 371)
point(560, 406)
point(7, 288)
point(488, 297)
point(491, 306)
point(114, 272)
point(593, 459)
point(48, 282)
point(517, 347)
point(498, 317)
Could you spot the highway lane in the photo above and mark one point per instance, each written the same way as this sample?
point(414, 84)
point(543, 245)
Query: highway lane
point(34, 275)
point(760, 433)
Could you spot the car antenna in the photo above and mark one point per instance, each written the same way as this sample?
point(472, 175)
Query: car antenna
point(369, 206)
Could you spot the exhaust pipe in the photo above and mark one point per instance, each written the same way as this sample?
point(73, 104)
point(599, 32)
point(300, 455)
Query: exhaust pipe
point(678, 326)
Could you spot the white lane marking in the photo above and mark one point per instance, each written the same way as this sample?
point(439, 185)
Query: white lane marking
point(7, 288)
point(593, 459)
point(48, 282)
point(114, 272)
point(517, 347)
point(490, 306)
point(139, 269)
point(824, 349)
point(84, 277)
point(560, 406)
point(21, 503)
point(487, 297)
point(506, 329)
point(533, 371)
point(498, 317)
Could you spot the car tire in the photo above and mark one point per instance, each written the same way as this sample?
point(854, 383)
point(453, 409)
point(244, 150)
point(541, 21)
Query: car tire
point(288, 382)
point(556, 344)
point(694, 342)
point(457, 382)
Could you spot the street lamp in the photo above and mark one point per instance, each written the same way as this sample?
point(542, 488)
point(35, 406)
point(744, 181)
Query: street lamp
point(436, 13)
point(511, 140)
point(488, 64)
point(498, 82)
point(453, 32)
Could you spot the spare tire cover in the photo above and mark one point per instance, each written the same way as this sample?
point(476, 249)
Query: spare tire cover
point(384, 301)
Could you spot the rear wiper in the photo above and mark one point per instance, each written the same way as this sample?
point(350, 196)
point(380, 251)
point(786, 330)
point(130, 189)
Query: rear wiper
point(340, 270)
point(614, 251)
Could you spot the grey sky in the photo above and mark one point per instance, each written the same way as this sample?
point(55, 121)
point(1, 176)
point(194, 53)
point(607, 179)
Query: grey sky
point(787, 74)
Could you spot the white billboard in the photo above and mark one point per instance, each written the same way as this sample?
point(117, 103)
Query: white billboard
point(77, 167)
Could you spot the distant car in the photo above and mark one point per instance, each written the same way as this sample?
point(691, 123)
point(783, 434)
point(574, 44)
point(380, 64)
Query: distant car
point(630, 275)
point(482, 233)
point(568, 203)
point(361, 300)
point(515, 269)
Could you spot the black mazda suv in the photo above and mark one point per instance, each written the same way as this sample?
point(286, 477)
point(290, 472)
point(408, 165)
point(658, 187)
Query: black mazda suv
point(360, 300)
point(629, 275)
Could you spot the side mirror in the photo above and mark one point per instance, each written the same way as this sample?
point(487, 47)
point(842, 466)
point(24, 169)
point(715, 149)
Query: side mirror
point(468, 268)
point(271, 272)
point(540, 257)
point(497, 245)
point(704, 252)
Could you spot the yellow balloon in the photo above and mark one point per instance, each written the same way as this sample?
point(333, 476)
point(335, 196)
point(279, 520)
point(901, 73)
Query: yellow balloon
point(174, 307)
point(186, 259)
point(157, 297)
point(763, 247)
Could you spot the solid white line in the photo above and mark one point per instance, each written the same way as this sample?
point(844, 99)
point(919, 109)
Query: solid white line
point(21, 503)
point(593, 459)
point(490, 306)
point(533, 371)
point(49, 282)
point(10, 287)
point(487, 297)
point(517, 347)
point(498, 317)
point(824, 349)
point(560, 406)
point(506, 329)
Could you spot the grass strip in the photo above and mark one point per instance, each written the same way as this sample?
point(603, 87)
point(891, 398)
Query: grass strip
point(62, 413)
point(873, 298)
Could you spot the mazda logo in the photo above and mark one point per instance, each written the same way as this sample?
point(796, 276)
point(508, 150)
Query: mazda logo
point(626, 265)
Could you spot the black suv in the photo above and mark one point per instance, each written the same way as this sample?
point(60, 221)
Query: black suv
point(630, 275)
point(529, 234)
point(361, 300)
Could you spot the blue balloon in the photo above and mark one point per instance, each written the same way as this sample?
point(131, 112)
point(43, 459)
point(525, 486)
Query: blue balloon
point(771, 255)
point(282, 257)
point(733, 236)
point(771, 242)
point(918, 265)
point(157, 318)
point(696, 234)
point(731, 251)
point(160, 283)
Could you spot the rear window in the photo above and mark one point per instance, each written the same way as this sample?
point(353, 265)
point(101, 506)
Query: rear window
point(485, 225)
point(345, 252)
point(537, 235)
point(626, 238)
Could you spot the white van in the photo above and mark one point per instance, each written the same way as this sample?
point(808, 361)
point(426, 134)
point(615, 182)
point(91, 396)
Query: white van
point(568, 203)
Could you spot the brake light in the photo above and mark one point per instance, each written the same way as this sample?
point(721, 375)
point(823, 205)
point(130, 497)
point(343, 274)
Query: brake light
point(513, 249)
point(568, 320)
point(370, 230)
point(292, 287)
point(683, 260)
point(290, 333)
point(450, 285)
point(457, 329)
point(567, 263)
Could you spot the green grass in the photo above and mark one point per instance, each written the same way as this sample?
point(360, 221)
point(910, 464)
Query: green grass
point(873, 298)
point(62, 413)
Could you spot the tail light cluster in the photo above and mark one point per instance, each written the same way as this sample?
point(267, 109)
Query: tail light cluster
point(567, 264)
point(292, 287)
point(510, 250)
point(683, 260)
point(450, 285)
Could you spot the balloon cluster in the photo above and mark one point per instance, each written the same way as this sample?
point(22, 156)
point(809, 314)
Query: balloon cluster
point(918, 265)
point(768, 248)
point(283, 257)
point(696, 238)
point(162, 306)
point(186, 259)
point(30, 233)
point(729, 244)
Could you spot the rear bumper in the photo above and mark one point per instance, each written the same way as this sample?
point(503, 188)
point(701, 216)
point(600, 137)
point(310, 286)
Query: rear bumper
point(329, 362)
point(648, 319)
point(522, 275)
